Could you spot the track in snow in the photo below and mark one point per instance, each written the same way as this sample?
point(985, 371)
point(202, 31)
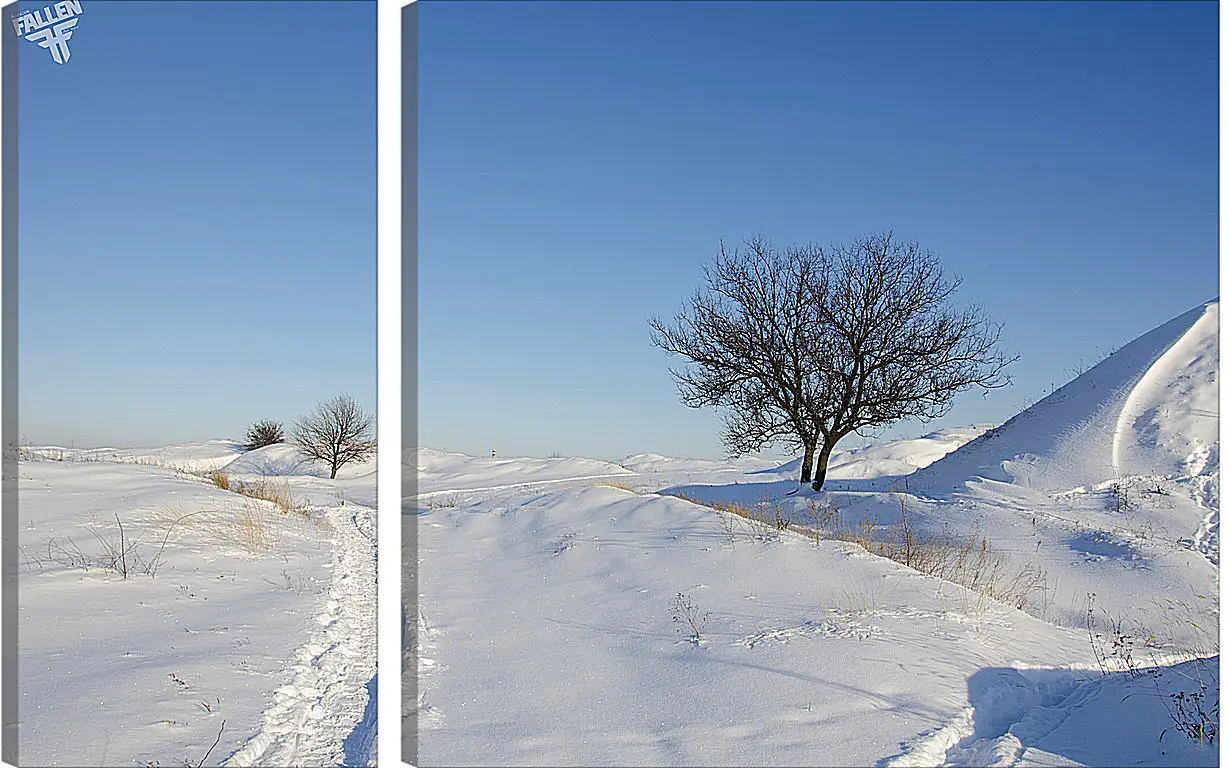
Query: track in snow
point(325, 715)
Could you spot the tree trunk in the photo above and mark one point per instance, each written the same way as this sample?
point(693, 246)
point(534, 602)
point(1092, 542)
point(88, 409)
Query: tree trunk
point(334, 467)
point(821, 465)
point(808, 458)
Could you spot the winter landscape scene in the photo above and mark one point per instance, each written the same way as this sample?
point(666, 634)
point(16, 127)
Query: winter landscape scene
point(190, 498)
point(821, 384)
point(1040, 592)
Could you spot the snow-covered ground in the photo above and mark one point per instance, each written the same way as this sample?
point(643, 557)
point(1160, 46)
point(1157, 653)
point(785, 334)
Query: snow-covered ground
point(233, 610)
point(557, 616)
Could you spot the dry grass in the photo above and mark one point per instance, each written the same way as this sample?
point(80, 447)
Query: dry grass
point(619, 486)
point(249, 524)
point(969, 561)
point(219, 479)
point(447, 501)
point(859, 601)
point(126, 549)
point(276, 492)
point(248, 528)
point(757, 523)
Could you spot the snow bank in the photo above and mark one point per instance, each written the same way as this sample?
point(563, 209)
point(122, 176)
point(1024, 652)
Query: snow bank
point(1106, 417)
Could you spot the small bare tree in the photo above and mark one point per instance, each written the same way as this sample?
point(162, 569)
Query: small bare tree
point(808, 345)
point(336, 432)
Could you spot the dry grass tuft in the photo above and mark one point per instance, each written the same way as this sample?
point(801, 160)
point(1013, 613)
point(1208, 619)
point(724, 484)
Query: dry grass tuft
point(276, 492)
point(219, 479)
point(248, 527)
point(619, 486)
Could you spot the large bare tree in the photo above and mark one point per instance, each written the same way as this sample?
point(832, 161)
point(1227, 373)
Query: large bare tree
point(337, 432)
point(805, 346)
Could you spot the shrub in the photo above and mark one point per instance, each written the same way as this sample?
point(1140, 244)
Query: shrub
point(687, 613)
point(741, 521)
point(262, 433)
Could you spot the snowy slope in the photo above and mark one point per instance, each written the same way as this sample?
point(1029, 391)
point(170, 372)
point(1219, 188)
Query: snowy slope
point(441, 473)
point(1101, 423)
point(546, 636)
point(1044, 492)
point(892, 458)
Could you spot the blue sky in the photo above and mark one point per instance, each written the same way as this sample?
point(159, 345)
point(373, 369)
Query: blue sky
point(579, 162)
point(197, 220)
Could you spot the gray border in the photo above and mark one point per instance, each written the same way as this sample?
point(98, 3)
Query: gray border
point(8, 408)
point(409, 381)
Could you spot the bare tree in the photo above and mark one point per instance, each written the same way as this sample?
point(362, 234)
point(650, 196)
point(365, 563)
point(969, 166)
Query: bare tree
point(336, 432)
point(806, 346)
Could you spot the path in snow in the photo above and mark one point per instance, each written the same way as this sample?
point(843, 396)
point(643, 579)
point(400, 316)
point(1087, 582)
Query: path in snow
point(360, 745)
point(312, 719)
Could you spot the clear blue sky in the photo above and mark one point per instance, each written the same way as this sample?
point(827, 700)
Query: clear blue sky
point(579, 162)
point(197, 219)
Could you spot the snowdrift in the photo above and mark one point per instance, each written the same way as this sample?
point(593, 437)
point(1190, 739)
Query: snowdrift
point(1149, 408)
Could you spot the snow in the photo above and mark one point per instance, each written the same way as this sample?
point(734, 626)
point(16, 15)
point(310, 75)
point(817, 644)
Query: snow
point(655, 462)
point(546, 628)
point(901, 457)
point(440, 472)
point(252, 616)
